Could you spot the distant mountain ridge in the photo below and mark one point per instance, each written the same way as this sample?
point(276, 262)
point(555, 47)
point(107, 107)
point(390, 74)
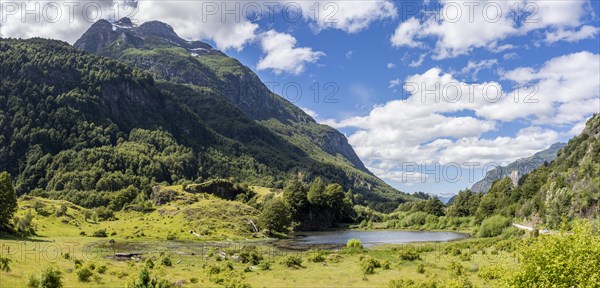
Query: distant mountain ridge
point(518, 168)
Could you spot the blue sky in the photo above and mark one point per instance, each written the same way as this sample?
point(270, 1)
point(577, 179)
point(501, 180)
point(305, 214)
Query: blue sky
point(371, 55)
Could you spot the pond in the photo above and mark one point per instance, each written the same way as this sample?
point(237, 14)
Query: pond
point(368, 238)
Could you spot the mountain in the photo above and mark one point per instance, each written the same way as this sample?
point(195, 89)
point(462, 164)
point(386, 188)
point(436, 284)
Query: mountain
point(568, 188)
point(72, 123)
point(518, 168)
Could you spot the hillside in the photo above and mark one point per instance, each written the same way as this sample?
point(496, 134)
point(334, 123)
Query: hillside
point(566, 189)
point(155, 47)
point(517, 168)
point(73, 123)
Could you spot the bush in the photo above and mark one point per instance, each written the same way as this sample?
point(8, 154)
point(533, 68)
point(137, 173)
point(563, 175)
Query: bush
point(103, 213)
point(421, 268)
point(149, 263)
point(84, 274)
point(265, 266)
point(166, 261)
point(456, 269)
point(368, 265)
point(567, 259)
point(316, 257)
point(354, 243)
point(493, 226)
point(102, 269)
point(409, 253)
point(51, 278)
point(250, 255)
point(34, 282)
point(292, 261)
point(100, 233)
point(491, 272)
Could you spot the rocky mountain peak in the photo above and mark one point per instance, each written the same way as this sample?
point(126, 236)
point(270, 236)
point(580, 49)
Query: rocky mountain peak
point(124, 23)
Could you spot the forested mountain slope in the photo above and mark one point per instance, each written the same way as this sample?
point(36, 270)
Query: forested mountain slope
point(72, 123)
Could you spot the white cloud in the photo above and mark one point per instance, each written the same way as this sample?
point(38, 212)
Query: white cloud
point(584, 32)
point(310, 112)
point(466, 25)
point(391, 65)
point(418, 62)
point(191, 20)
point(406, 33)
point(349, 16)
point(559, 92)
point(52, 19)
point(394, 83)
point(349, 55)
point(473, 67)
point(186, 17)
point(282, 55)
point(445, 120)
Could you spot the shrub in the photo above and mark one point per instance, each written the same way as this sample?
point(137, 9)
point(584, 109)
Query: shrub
point(354, 243)
point(368, 265)
point(102, 269)
point(166, 261)
point(334, 258)
point(51, 278)
point(316, 257)
point(292, 261)
point(84, 274)
point(250, 255)
point(409, 253)
point(264, 266)
point(100, 233)
point(145, 280)
point(566, 259)
point(5, 264)
point(456, 269)
point(491, 272)
point(421, 268)
point(149, 263)
point(493, 226)
point(34, 282)
point(103, 213)
point(193, 280)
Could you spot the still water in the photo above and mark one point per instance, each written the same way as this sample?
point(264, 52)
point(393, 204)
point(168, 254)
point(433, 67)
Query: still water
point(371, 238)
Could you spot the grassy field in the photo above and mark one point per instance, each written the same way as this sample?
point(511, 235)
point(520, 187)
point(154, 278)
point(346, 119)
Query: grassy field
point(217, 253)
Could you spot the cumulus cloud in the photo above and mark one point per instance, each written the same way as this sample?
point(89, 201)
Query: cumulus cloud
point(444, 120)
point(282, 55)
point(460, 26)
point(349, 16)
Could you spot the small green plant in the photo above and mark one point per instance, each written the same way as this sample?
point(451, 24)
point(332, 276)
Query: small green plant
point(354, 243)
point(193, 280)
point(368, 265)
point(5, 264)
point(316, 257)
point(166, 261)
point(456, 269)
point(409, 253)
point(51, 278)
point(149, 263)
point(292, 261)
point(100, 233)
point(421, 268)
point(266, 265)
point(84, 274)
point(102, 269)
